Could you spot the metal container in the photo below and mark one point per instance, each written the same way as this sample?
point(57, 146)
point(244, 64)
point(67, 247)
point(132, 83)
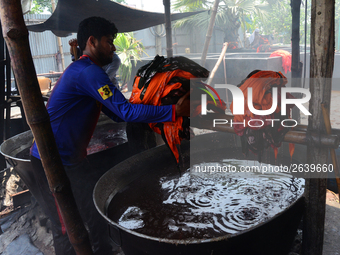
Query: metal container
point(272, 237)
point(22, 166)
point(111, 151)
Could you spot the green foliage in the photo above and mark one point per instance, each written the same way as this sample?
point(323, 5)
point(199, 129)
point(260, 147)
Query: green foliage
point(231, 14)
point(270, 16)
point(120, 1)
point(40, 6)
point(129, 51)
point(278, 23)
point(337, 25)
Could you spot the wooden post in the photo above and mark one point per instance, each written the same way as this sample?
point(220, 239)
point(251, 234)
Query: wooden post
point(169, 50)
point(321, 71)
point(16, 36)
point(299, 127)
point(158, 39)
point(222, 56)
point(295, 4)
point(2, 95)
point(60, 45)
point(332, 151)
point(209, 32)
point(293, 136)
point(296, 65)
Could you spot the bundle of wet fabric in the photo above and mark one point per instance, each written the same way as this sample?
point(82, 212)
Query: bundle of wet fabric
point(286, 59)
point(262, 131)
point(163, 81)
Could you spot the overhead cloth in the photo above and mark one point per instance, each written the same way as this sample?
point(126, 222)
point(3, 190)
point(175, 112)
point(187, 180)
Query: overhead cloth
point(69, 13)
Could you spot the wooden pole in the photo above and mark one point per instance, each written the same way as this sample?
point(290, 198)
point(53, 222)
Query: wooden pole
point(169, 49)
point(209, 32)
point(295, 5)
point(60, 45)
point(332, 151)
point(321, 71)
point(212, 74)
point(158, 39)
point(16, 36)
point(73, 48)
point(297, 137)
point(296, 65)
point(299, 127)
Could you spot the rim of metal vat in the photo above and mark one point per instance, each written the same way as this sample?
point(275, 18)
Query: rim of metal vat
point(102, 201)
point(10, 146)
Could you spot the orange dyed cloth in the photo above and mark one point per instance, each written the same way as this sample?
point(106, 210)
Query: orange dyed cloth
point(268, 134)
point(286, 59)
point(263, 48)
point(166, 82)
point(157, 89)
point(263, 45)
point(261, 83)
point(232, 45)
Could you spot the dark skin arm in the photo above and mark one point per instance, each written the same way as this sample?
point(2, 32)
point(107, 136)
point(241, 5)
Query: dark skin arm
point(183, 105)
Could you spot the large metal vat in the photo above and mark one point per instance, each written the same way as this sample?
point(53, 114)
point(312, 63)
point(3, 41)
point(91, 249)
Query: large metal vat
point(272, 237)
point(109, 147)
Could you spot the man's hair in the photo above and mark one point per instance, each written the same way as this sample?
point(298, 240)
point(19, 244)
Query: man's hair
point(97, 27)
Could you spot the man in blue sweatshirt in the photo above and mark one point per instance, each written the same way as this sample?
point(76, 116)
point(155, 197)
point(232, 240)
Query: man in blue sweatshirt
point(81, 93)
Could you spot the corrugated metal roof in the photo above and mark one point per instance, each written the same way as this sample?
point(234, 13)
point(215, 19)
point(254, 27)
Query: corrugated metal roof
point(44, 46)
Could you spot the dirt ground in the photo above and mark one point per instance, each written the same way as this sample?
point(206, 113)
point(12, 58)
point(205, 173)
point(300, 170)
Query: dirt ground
point(25, 229)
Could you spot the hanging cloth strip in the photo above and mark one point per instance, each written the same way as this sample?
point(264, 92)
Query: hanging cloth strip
point(164, 81)
point(286, 59)
point(255, 137)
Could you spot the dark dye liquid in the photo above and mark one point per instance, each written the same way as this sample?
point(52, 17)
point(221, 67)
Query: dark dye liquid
point(106, 137)
point(202, 205)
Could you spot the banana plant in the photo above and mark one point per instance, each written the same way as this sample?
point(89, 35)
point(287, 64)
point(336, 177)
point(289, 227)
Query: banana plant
point(129, 50)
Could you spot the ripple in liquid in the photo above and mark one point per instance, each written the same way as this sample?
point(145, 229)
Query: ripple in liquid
point(204, 206)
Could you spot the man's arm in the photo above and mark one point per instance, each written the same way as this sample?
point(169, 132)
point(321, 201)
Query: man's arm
point(111, 115)
point(95, 83)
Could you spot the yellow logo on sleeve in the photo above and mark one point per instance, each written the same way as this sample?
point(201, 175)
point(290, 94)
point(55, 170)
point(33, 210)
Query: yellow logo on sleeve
point(105, 92)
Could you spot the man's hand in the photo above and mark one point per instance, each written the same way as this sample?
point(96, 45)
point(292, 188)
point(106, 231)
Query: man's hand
point(183, 106)
point(73, 42)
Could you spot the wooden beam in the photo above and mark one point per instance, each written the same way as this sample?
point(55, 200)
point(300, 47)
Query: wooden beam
point(21, 198)
point(321, 71)
point(228, 117)
point(297, 137)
